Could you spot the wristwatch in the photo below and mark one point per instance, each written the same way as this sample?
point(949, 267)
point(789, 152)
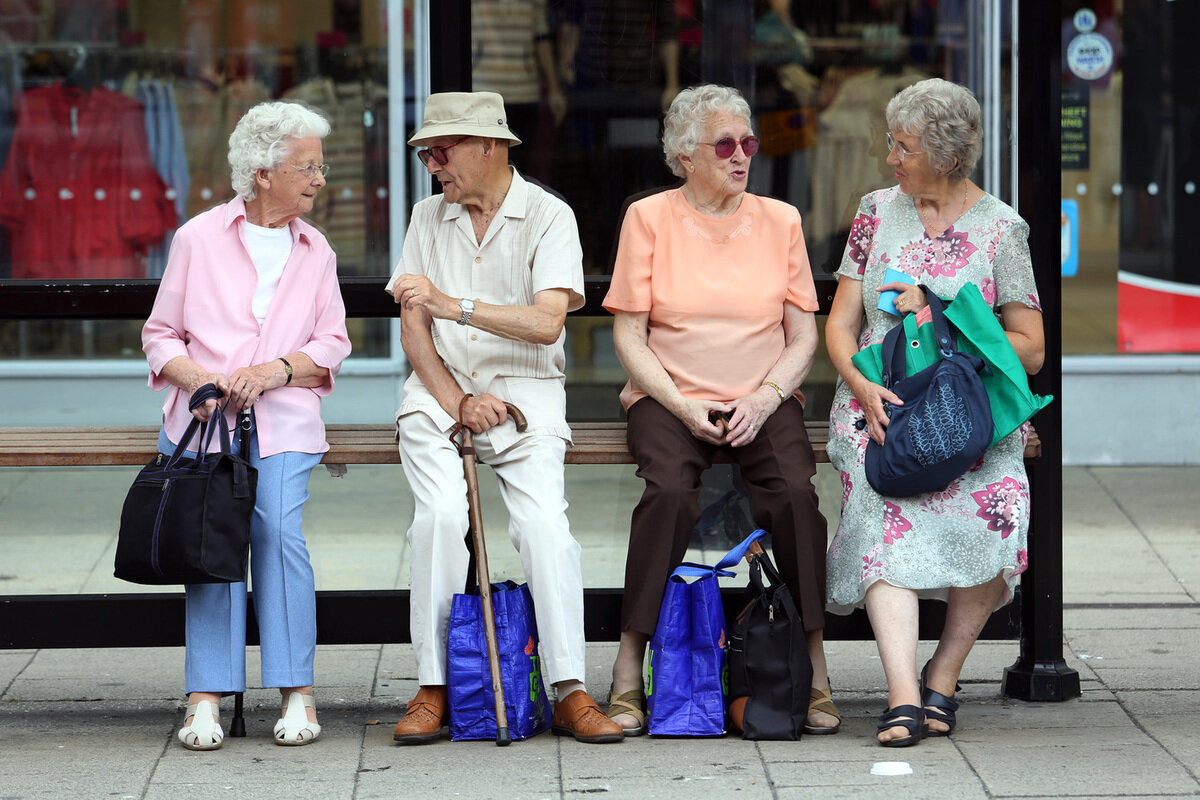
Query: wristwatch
point(468, 308)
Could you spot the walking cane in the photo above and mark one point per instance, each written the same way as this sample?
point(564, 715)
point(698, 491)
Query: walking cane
point(475, 523)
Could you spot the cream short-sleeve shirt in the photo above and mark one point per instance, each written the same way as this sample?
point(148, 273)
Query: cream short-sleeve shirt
point(532, 245)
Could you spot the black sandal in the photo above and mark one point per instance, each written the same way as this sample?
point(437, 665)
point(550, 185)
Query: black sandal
point(911, 718)
point(938, 707)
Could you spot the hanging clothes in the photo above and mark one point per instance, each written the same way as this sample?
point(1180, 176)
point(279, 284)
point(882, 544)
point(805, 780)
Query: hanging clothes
point(79, 192)
point(165, 137)
point(343, 208)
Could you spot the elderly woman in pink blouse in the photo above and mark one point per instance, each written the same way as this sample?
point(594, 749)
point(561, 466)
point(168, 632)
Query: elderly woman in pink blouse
point(250, 302)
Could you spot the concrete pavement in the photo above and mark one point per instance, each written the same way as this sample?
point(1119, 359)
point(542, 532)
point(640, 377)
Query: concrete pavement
point(102, 724)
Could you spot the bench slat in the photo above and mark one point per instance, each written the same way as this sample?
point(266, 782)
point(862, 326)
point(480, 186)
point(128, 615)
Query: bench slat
point(134, 445)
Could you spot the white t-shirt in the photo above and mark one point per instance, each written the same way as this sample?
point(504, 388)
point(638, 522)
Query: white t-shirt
point(269, 250)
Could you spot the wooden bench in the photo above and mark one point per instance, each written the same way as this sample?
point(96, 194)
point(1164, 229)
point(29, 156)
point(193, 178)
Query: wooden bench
point(595, 443)
point(343, 617)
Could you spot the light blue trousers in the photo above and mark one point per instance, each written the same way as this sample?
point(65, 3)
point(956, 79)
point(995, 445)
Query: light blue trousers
point(284, 589)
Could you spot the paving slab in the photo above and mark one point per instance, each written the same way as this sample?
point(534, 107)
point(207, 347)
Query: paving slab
point(1153, 495)
point(12, 663)
point(1176, 734)
point(458, 769)
point(1064, 766)
point(1079, 619)
point(930, 775)
point(111, 674)
point(1144, 704)
point(888, 789)
point(283, 789)
point(1101, 567)
point(1140, 659)
point(44, 755)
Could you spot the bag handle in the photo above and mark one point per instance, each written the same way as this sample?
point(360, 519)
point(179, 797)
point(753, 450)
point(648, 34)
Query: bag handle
point(690, 570)
point(208, 391)
point(893, 355)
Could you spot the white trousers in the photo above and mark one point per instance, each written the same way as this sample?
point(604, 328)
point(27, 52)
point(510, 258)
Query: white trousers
point(530, 475)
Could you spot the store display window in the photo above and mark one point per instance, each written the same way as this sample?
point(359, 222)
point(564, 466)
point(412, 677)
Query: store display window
point(114, 126)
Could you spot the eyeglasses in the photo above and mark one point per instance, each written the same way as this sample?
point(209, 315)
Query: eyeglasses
point(901, 151)
point(726, 147)
point(311, 170)
point(438, 153)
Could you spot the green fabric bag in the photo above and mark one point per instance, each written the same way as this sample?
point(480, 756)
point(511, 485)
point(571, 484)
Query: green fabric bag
point(980, 334)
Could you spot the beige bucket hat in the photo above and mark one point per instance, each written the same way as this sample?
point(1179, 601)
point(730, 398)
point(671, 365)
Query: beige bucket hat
point(464, 114)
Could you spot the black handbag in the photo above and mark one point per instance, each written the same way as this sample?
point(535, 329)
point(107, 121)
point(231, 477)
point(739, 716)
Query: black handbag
point(770, 673)
point(187, 520)
point(945, 424)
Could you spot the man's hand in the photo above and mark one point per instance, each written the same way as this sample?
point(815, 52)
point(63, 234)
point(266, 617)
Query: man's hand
point(483, 411)
point(416, 291)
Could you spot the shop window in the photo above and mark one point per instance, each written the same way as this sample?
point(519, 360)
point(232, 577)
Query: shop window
point(114, 123)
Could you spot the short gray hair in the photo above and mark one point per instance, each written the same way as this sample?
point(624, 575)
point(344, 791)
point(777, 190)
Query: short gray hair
point(946, 118)
point(688, 114)
point(262, 137)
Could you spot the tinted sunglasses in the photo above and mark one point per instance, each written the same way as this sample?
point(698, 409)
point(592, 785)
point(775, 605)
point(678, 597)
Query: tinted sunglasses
point(438, 153)
point(726, 146)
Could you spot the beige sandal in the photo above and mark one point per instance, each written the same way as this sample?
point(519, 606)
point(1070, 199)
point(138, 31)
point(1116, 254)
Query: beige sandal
point(205, 731)
point(820, 701)
point(294, 728)
point(632, 703)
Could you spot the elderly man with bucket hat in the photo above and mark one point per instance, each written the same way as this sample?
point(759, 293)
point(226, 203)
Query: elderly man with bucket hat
point(488, 273)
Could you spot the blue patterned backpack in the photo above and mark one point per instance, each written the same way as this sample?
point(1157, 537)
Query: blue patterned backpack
point(945, 424)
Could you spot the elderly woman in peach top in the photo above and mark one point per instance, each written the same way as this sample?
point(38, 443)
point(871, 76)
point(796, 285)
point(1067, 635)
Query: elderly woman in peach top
point(713, 301)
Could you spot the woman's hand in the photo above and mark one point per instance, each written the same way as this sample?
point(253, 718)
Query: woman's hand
point(205, 411)
point(247, 384)
point(189, 376)
point(911, 298)
point(871, 398)
point(700, 417)
point(749, 415)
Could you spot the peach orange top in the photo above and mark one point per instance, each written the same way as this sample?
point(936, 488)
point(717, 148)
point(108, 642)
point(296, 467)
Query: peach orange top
point(715, 289)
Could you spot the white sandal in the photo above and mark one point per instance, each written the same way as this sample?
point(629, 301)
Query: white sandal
point(294, 728)
point(205, 731)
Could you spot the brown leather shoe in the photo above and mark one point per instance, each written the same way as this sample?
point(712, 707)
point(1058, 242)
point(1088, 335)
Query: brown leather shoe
point(426, 718)
point(578, 715)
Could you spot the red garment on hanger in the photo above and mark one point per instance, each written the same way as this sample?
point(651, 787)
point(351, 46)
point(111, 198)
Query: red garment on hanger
point(79, 192)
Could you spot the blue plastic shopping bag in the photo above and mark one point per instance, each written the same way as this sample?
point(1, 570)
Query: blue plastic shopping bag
point(469, 676)
point(688, 675)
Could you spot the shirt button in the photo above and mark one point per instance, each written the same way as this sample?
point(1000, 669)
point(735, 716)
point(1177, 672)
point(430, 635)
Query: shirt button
point(474, 337)
point(474, 374)
point(478, 260)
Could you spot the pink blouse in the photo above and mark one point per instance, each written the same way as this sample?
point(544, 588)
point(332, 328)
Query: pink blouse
point(715, 289)
point(203, 311)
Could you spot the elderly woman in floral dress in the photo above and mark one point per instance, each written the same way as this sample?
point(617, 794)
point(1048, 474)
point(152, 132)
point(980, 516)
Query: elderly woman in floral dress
point(964, 545)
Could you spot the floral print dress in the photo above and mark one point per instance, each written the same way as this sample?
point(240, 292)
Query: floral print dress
point(976, 528)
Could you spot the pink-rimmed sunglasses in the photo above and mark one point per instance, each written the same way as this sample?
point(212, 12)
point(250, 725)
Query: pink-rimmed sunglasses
point(726, 147)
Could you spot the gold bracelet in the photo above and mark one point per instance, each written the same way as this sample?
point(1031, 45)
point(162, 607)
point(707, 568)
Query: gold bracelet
point(778, 391)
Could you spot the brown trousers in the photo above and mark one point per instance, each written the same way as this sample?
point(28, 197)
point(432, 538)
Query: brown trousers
point(778, 468)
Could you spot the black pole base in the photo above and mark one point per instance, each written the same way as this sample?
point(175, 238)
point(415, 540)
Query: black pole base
point(237, 725)
point(1040, 681)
